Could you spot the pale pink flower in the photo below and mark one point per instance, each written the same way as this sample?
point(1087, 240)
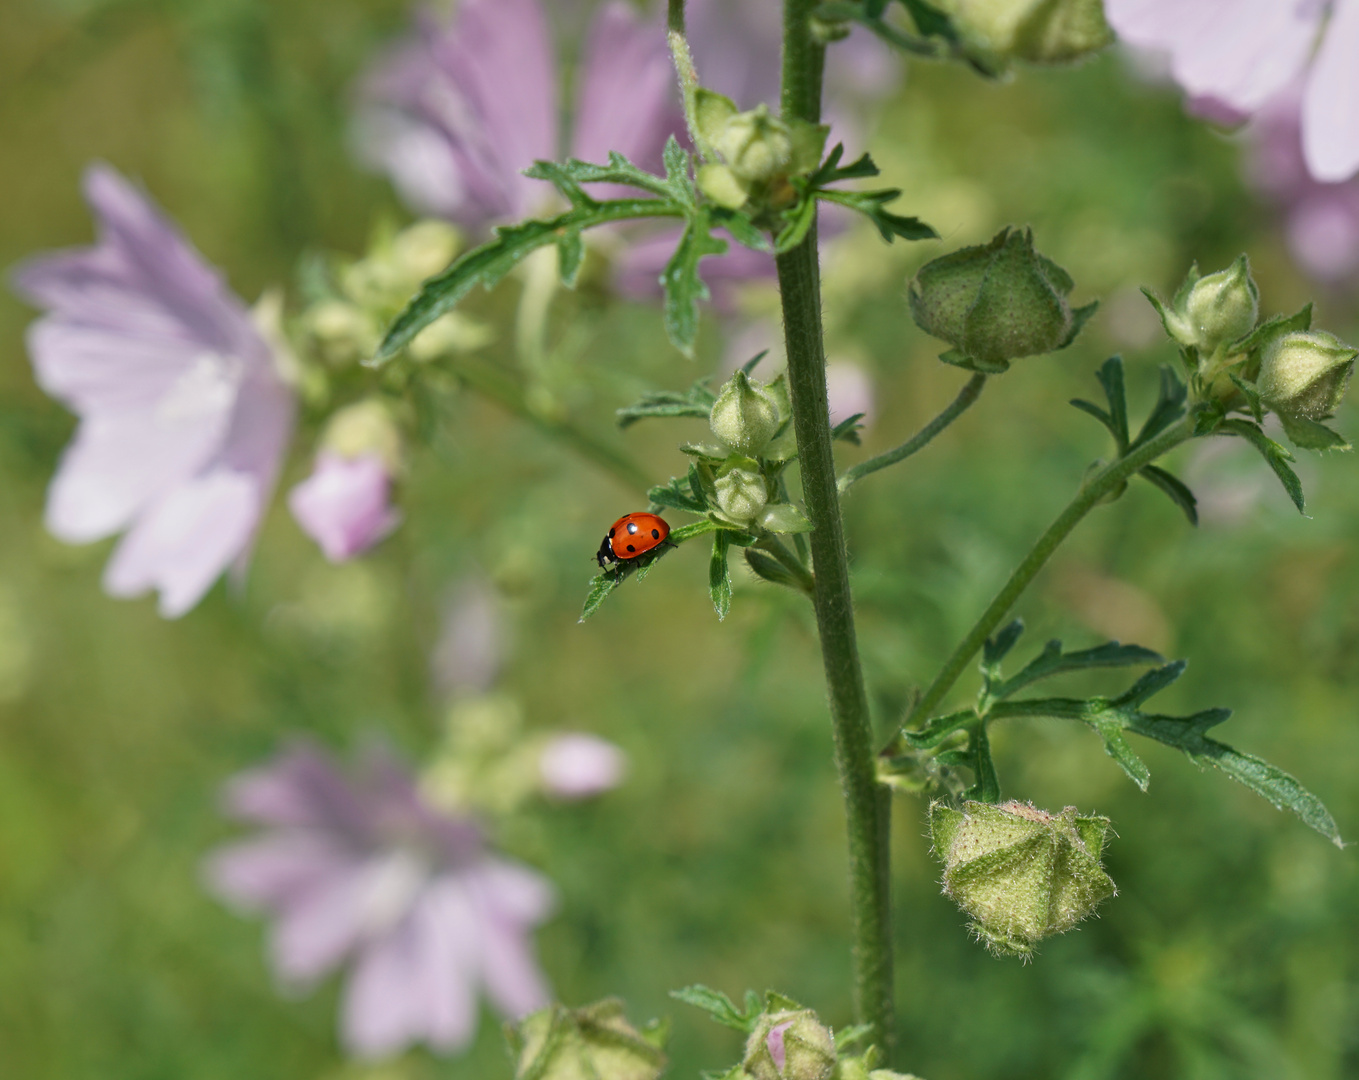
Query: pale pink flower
point(360, 866)
point(183, 416)
point(849, 390)
point(774, 1041)
point(1240, 54)
point(578, 766)
point(345, 504)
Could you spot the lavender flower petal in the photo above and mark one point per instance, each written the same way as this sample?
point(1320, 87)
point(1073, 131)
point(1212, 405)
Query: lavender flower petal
point(577, 766)
point(344, 505)
point(1330, 109)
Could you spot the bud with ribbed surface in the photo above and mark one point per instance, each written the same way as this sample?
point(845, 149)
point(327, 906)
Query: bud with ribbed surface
point(745, 416)
point(790, 1044)
point(595, 1042)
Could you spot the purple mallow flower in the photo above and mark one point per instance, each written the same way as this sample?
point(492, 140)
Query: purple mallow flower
point(1233, 57)
point(361, 866)
point(345, 504)
point(578, 766)
point(183, 416)
point(455, 113)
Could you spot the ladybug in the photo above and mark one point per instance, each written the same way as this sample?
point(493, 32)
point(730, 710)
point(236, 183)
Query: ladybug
point(630, 536)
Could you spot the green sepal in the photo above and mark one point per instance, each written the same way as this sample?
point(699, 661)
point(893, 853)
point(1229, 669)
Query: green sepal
point(721, 1008)
point(1312, 434)
point(722, 186)
point(1276, 457)
point(783, 518)
point(958, 358)
point(719, 575)
point(488, 264)
point(1251, 394)
point(770, 569)
point(1175, 489)
point(1272, 328)
point(712, 113)
point(744, 231)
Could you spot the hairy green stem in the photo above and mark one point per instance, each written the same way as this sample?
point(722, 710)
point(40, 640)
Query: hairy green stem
point(867, 803)
point(966, 396)
point(687, 73)
point(1091, 493)
point(506, 392)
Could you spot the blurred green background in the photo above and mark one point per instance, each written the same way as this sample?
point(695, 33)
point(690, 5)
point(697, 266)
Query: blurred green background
point(1230, 951)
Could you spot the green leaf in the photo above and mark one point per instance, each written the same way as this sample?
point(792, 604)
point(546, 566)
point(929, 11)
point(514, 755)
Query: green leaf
point(770, 569)
point(1271, 328)
point(940, 728)
point(570, 255)
point(488, 264)
point(797, 223)
point(998, 646)
point(831, 170)
point(847, 430)
point(1100, 415)
point(744, 231)
point(682, 284)
point(574, 172)
point(1252, 396)
point(1178, 491)
point(1209, 417)
point(872, 205)
point(696, 402)
point(1053, 661)
point(718, 1006)
point(1110, 377)
point(986, 785)
point(1169, 406)
point(677, 495)
point(677, 173)
point(600, 587)
point(1276, 456)
point(719, 575)
point(1312, 435)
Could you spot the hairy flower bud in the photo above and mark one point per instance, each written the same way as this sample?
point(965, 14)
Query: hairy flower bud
point(790, 1044)
point(741, 494)
point(594, 1042)
point(1222, 307)
point(745, 415)
point(1020, 872)
point(1040, 31)
point(759, 151)
point(996, 302)
point(1305, 374)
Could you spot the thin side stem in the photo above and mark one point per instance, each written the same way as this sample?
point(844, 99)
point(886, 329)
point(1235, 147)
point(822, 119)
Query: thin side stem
point(687, 73)
point(966, 396)
point(506, 392)
point(1090, 495)
point(867, 803)
point(790, 562)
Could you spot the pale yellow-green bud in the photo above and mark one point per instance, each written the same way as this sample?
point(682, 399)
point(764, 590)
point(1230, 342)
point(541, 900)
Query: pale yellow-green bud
point(421, 250)
point(1039, 31)
point(741, 494)
point(343, 332)
point(755, 145)
point(1222, 307)
point(745, 416)
point(790, 1044)
point(1305, 374)
point(1020, 872)
point(365, 428)
point(591, 1043)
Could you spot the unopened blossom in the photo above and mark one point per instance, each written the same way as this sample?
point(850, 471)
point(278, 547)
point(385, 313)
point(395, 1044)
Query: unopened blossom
point(345, 504)
point(456, 112)
point(1233, 57)
point(183, 415)
point(578, 766)
point(358, 866)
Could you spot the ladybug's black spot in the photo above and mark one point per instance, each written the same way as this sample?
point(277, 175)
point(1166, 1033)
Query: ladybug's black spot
point(632, 526)
point(610, 534)
point(631, 548)
point(655, 534)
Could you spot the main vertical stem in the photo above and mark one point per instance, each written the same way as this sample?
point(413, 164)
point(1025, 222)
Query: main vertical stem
point(867, 803)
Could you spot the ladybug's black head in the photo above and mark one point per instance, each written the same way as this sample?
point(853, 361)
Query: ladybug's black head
point(605, 553)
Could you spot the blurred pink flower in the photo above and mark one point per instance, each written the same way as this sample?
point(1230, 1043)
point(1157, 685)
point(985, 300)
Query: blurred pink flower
point(1237, 55)
point(473, 640)
point(578, 766)
point(361, 866)
point(1321, 221)
point(456, 112)
point(183, 416)
point(345, 504)
point(849, 390)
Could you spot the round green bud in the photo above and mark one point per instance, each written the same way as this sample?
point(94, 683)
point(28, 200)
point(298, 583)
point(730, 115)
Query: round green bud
point(1020, 872)
point(1305, 374)
point(790, 1044)
point(996, 302)
point(755, 145)
point(741, 494)
point(1221, 308)
point(1039, 31)
point(745, 416)
point(591, 1043)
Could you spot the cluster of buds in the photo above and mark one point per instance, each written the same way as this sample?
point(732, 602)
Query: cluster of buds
point(759, 152)
point(1021, 873)
point(1283, 365)
point(996, 302)
point(753, 424)
point(345, 324)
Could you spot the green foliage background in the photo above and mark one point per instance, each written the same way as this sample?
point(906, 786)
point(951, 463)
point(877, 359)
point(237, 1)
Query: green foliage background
point(1230, 950)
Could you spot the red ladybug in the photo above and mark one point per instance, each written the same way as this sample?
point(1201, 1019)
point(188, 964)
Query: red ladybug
point(630, 536)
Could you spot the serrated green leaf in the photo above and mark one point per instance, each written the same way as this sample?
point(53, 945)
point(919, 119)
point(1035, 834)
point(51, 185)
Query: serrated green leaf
point(717, 1005)
point(847, 430)
point(1208, 418)
point(683, 286)
point(744, 231)
point(1276, 456)
point(797, 223)
point(1178, 491)
point(600, 587)
point(488, 264)
point(939, 728)
point(570, 255)
point(1053, 661)
point(676, 495)
point(677, 169)
point(998, 646)
point(1110, 376)
point(1116, 746)
point(619, 170)
point(1312, 435)
point(1169, 406)
point(1099, 414)
point(719, 575)
point(665, 404)
point(986, 785)
point(831, 171)
point(872, 205)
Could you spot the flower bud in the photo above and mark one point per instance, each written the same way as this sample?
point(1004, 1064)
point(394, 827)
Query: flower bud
point(790, 1044)
point(1305, 374)
point(759, 151)
point(594, 1042)
point(741, 494)
point(996, 302)
point(1222, 307)
point(745, 416)
point(1020, 872)
point(578, 766)
point(421, 250)
point(365, 428)
point(755, 145)
point(1040, 31)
